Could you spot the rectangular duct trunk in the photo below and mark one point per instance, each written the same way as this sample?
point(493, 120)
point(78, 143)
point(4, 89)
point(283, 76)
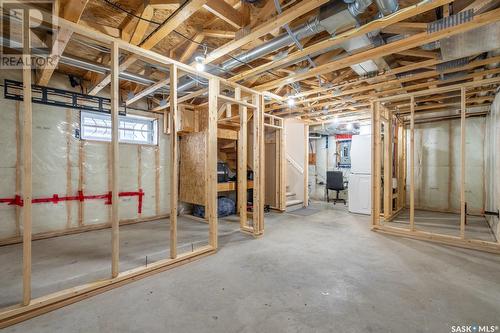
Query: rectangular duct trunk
point(483, 39)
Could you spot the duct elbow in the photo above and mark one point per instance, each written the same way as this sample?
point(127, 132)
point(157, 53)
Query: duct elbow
point(386, 7)
point(358, 7)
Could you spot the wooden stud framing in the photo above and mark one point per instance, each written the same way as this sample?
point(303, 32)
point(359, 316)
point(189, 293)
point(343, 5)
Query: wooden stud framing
point(157, 180)
point(388, 167)
point(115, 149)
point(258, 165)
point(376, 164)
point(33, 307)
point(18, 167)
point(283, 164)
point(81, 180)
point(69, 183)
point(242, 161)
point(411, 231)
point(401, 165)
point(412, 164)
point(261, 188)
point(211, 162)
point(463, 211)
point(306, 165)
point(60, 299)
point(174, 161)
point(27, 167)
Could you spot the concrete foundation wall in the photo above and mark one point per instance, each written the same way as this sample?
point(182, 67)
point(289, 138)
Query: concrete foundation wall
point(61, 161)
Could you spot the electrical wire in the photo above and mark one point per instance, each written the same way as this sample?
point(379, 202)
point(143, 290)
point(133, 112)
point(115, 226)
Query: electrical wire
point(158, 24)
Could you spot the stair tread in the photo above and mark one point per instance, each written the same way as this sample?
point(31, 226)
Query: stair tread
point(293, 202)
point(290, 194)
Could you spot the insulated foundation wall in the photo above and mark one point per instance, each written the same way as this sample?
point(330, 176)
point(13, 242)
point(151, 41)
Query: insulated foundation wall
point(493, 166)
point(437, 165)
point(63, 165)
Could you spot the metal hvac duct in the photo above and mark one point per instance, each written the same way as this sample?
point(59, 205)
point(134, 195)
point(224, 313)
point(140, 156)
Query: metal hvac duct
point(307, 29)
point(386, 7)
point(87, 65)
point(333, 15)
point(482, 39)
point(99, 68)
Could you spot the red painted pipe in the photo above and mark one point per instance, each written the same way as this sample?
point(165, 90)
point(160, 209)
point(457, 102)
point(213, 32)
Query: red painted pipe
point(55, 199)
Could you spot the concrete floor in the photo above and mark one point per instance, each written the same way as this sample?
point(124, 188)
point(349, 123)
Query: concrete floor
point(64, 262)
point(322, 273)
point(317, 193)
point(445, 223)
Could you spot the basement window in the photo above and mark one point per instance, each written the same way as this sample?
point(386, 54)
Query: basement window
point(132, 129)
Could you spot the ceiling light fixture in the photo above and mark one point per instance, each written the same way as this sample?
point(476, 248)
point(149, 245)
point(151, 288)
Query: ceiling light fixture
point(200, 66)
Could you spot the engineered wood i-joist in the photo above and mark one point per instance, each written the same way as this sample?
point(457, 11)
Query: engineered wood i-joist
point(344, 91)
point(296, 11)
point(387, 49)
point(188, 8)
point(72, 11)
point(337, 40)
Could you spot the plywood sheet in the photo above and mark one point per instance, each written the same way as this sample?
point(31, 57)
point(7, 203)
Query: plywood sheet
point(270, 170)
point(192, 168)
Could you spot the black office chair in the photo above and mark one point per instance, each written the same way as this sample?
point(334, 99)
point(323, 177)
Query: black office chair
point(335, 182)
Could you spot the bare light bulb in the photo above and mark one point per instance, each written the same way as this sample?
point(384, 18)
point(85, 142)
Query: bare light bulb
point(200, 67)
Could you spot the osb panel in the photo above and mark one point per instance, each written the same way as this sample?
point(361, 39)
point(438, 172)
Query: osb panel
point(203, 119)
point(270, 170)
point(193, 148)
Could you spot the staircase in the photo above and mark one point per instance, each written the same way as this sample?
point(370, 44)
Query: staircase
point(292, 203)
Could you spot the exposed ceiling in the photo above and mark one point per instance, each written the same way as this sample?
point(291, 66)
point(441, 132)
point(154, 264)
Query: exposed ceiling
point(259, 45)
